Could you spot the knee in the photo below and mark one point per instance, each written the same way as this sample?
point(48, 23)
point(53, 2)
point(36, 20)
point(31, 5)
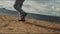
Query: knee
point(15, 6)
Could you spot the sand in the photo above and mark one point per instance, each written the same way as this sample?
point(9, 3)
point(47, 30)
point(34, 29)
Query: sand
point(10, 24)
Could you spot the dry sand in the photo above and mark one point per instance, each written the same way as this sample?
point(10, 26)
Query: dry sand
point(10, 24)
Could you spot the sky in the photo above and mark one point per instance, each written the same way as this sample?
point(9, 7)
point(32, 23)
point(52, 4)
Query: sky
point(45, 7)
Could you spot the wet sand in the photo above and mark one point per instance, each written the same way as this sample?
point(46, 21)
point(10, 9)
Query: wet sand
point(10, 24)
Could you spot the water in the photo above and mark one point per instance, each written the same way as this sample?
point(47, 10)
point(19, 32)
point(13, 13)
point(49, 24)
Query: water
point(44, 7)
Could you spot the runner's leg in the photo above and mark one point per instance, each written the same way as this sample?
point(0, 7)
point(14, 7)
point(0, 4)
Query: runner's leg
point(18, 6)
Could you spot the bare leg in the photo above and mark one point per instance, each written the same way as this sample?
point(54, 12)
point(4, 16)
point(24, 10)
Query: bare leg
point(18, 6)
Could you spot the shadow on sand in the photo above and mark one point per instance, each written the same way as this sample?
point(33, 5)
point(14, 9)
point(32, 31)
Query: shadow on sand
point(30, 15)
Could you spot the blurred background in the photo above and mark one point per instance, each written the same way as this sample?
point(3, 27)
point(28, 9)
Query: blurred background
point(44, 7)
